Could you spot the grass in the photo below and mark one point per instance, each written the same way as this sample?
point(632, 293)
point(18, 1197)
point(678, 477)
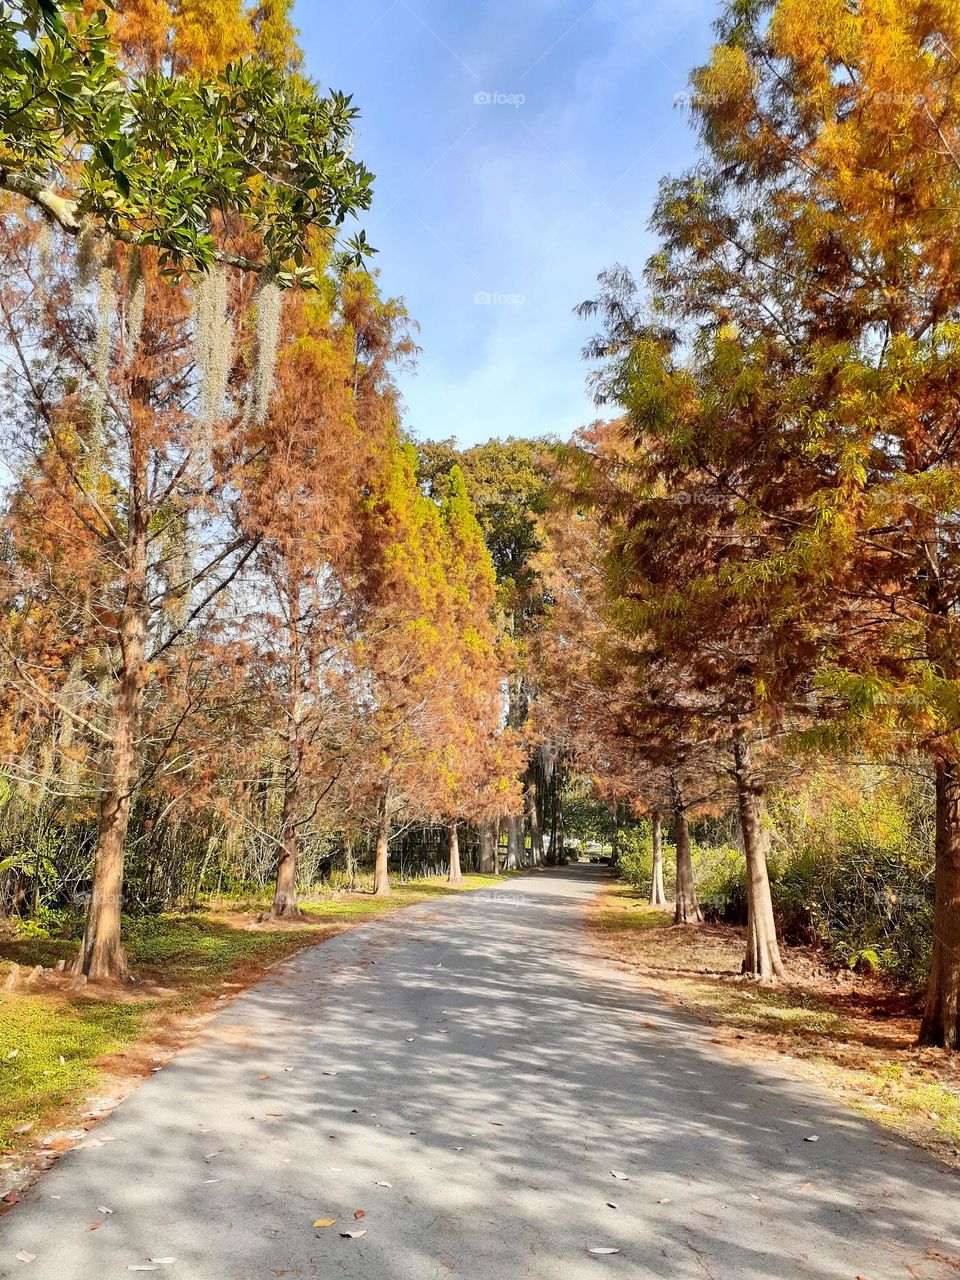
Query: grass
point(56, 1046)
point(48, 1052)
point(850, 1032)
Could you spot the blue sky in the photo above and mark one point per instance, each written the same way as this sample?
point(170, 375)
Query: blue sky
point(517, 146)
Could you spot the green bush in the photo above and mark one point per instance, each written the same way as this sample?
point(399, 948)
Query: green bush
point(851, 867)
point(721, 880)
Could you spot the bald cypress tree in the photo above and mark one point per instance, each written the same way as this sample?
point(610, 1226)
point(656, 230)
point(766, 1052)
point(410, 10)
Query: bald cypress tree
point(818, 233)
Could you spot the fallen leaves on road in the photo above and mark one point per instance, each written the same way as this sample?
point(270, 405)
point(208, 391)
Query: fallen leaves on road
point(384, 1184)
point(603, 1249)
point(621, 1177)
point(23, 1256)
point(359, 1213)
point(324, 1222)
point(352, 1235)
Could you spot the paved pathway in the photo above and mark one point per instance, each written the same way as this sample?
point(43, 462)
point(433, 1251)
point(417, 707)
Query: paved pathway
point(475, 1056)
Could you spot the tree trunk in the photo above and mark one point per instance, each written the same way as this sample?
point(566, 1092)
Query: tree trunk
point(941, 1017)
point(285, 905)
point(687, 910)
point(658, 897)
point(381, 872)
point(553, 852)
point(533, 817)
point(514, 832)
point(762, 959)
point(101, 953)
point(454, 871)
point(351, 864)
point(488, 855)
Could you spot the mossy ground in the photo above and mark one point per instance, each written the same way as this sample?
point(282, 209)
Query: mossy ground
point(849, 1031)
point(56, 1046)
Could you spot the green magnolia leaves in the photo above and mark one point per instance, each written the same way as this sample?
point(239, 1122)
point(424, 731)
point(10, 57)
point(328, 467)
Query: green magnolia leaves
point(172, 160)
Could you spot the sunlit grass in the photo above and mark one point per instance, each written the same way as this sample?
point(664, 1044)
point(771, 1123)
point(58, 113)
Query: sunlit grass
point(48, 1051)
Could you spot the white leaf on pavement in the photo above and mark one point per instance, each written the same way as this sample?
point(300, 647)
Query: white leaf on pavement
point(23, 1256)
point(623, 1177)
point(384, 1184)
point(102, 1208)
point(352, 1235)
point(813, 1138)
point(603, 1249)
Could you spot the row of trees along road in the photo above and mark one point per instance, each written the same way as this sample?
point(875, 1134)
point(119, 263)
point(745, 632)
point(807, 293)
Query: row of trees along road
point(228, 606)
point(775, 515)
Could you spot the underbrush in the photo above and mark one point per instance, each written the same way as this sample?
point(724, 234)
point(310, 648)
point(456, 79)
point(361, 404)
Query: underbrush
point(851, 870)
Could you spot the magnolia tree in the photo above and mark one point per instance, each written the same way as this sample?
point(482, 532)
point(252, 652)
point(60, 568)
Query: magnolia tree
point(144, 341)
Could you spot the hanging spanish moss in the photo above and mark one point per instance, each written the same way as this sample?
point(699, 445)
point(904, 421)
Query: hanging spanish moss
point(136, 301)
point(213, 337)
point(44, 247)
point(89, 250)
point(269, 299)
point(106, 306)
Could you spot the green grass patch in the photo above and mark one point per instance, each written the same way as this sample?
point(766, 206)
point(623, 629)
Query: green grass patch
point(48, 1052)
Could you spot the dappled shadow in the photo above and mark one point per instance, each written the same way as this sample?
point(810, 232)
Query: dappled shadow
point(865, 1010)
point(474, 1055)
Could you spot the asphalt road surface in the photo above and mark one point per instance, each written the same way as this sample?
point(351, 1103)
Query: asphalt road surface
point(472, 1078)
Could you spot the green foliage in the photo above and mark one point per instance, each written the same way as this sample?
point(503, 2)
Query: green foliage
point(853, 869)
point(48, 1050)
point(165, 155)
point(507, 483)
point(57, 77)
point(586, 818)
